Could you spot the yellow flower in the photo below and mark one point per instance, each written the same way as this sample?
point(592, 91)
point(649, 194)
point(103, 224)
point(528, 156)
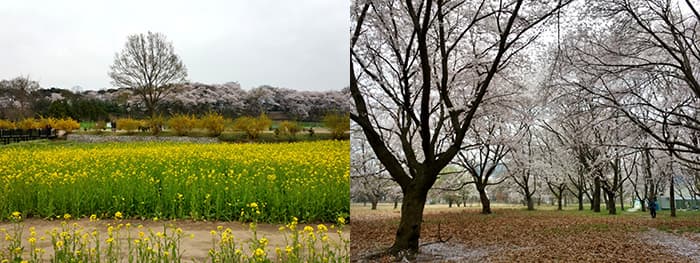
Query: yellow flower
point(118, 215)
point(281, 229)
point(110, 240)
point(66, 216)
point(308, 229)
point(59, 244)
point(16, 214)
point(93, 218)
point(259, 252)
point(341, 220)
point(253, 205)
point(263, 242)
point(288, 249)
point(322, 228)
point(32, 240)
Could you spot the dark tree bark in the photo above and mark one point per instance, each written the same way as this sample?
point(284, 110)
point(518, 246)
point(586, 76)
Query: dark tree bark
point(557, 190)
point(595, 203)
point(530, 202)
point(579, 198)
point(611, 202)
point(408, 233)
point(622, 201)
point(672, 195)
point(485, 203)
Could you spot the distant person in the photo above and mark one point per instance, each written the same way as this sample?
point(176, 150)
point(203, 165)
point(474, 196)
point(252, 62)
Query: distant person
point(47, 130)
point(652, 207)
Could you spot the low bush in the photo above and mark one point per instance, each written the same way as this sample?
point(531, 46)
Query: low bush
point(28, 124)
point(213, 122)
point(289, 128)
point(182, 124)
point(128, 124)
point(252, 126)
point(6, 125)
point(338, 124)
point(155, 124)
point(67, 125)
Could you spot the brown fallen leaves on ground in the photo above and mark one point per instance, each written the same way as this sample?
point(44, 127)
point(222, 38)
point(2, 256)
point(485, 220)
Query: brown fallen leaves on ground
point(510, 235)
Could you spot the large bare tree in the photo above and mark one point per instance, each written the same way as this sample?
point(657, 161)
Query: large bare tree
point(20, 91)
point(149, 66)
point(419, 71)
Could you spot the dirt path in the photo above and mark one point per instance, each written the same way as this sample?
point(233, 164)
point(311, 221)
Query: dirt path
point(675, 243)
point(193, 249)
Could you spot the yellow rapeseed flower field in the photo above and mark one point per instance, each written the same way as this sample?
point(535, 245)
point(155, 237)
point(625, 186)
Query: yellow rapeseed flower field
point(308, 180)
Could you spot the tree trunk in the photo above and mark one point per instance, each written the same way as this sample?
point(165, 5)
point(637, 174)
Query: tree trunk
point(596, 195)
point(559, 201)
point(643, 201)
point(530, 202)
point(374, 204)
point(396, 204)
point(622, 201)
point(605, 199)
point(611, 202)
point(408, 233)
point(485, 203)
point(449, 203)
point(672, 198)
point(580, 201)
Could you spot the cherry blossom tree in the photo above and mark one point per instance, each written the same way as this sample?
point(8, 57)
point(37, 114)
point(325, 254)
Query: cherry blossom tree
point(429, 65)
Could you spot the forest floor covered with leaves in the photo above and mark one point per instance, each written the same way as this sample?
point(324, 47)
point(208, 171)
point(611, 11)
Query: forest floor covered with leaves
point(514, 234)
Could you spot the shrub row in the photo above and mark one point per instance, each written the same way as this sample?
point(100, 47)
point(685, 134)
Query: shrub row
point(66, 124)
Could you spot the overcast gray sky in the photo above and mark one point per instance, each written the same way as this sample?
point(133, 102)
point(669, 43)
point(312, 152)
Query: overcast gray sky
point(300, 45)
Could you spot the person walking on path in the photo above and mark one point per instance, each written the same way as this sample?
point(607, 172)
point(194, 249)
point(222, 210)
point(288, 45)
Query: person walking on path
point(652, 207)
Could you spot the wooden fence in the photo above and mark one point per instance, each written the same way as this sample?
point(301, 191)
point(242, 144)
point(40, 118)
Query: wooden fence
point(17, 135)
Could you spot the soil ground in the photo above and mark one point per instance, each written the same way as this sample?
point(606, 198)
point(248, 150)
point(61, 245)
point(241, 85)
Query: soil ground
point(512, 234)
point(193, 249)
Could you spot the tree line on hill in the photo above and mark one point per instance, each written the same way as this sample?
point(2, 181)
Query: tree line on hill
point(23, 97)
